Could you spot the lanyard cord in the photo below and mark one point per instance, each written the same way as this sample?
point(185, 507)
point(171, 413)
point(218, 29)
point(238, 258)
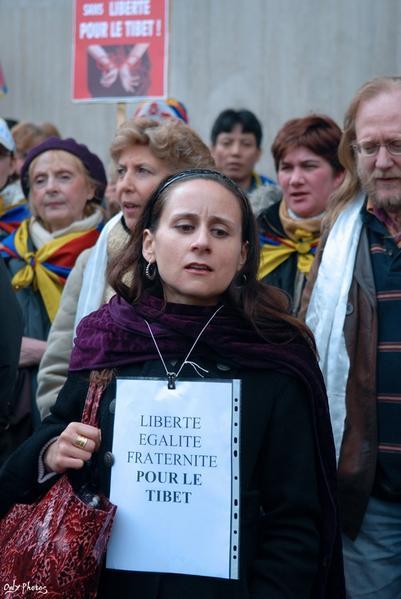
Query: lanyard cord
point(172, 376)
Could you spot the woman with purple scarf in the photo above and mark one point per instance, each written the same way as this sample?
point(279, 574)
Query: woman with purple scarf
point(194, 313)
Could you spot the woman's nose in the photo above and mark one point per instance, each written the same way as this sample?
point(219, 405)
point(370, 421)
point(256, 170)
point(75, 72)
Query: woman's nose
point(201, 238)
point(130, 180)
point(297, 176)
point(126, 183)
point(51, 184)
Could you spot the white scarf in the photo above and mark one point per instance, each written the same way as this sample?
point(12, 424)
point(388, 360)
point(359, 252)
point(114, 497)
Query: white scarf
point(94, 279)
point(327, 309)
point(40, 235)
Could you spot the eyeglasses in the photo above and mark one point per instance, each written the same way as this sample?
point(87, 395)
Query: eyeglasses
point(371, 148)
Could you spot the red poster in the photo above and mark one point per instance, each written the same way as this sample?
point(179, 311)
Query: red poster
point(120, 49)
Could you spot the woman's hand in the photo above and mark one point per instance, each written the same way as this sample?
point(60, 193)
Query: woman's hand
point(109, 75)
point(105, 64)
point(72, 448)
point(32, 351)
point(129, 81)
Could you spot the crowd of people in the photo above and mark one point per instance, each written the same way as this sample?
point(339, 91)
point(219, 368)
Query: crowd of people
point(186, 265)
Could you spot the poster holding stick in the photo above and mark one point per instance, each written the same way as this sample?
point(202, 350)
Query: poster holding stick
point(120, 49)
point(120, 114)
point(175, 477)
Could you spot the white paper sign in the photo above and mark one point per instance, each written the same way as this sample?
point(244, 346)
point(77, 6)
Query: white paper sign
point(175, 478)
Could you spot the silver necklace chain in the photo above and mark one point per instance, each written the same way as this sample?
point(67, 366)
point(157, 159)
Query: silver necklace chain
point(172, 376)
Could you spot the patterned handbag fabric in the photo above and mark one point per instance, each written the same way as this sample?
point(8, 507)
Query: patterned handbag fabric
point(55, 546)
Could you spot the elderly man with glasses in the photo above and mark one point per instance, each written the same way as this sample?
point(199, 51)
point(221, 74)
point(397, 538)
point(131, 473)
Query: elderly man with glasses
point(354, 311)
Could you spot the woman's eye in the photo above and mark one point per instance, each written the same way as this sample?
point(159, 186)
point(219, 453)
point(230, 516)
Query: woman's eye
point(39, 181)
point(219, 232)
point(185, 227)
point(121, 171)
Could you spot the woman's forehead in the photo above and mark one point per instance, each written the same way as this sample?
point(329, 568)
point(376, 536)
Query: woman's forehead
point(202, 195)
point(56, 159)
point(200, 185)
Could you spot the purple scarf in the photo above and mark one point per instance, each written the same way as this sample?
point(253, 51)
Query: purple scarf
point(117, 335)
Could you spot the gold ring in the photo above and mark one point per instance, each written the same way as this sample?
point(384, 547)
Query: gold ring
point(81, 441)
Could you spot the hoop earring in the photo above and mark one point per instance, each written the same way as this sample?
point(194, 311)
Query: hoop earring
point(151, 274)
point(241, 280)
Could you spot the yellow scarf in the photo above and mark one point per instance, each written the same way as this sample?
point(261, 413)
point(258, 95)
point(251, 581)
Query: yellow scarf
point(43, 276)
point(302, 238)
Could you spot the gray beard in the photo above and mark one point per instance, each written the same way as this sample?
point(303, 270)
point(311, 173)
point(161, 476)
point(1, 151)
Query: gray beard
point(390, 204)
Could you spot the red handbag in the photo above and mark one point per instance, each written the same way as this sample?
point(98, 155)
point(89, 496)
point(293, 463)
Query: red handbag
point(55, 546)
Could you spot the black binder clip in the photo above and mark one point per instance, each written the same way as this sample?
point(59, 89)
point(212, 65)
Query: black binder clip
point(171, 376)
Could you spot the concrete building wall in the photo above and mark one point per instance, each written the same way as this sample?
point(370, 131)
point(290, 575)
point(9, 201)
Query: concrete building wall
point(280, 58)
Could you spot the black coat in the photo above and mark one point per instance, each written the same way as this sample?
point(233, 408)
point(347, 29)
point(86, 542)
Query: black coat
point(10, 345)
point(280, 509)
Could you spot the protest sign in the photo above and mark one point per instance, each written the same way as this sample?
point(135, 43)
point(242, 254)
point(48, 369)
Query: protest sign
point(120, 49)
point(175, 477)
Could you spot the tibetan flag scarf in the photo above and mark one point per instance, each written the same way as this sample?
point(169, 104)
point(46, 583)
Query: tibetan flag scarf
point(302, 237)
point(12, 216)
point(47, 268)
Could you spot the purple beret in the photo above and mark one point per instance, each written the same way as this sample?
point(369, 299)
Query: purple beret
point(91, 162)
